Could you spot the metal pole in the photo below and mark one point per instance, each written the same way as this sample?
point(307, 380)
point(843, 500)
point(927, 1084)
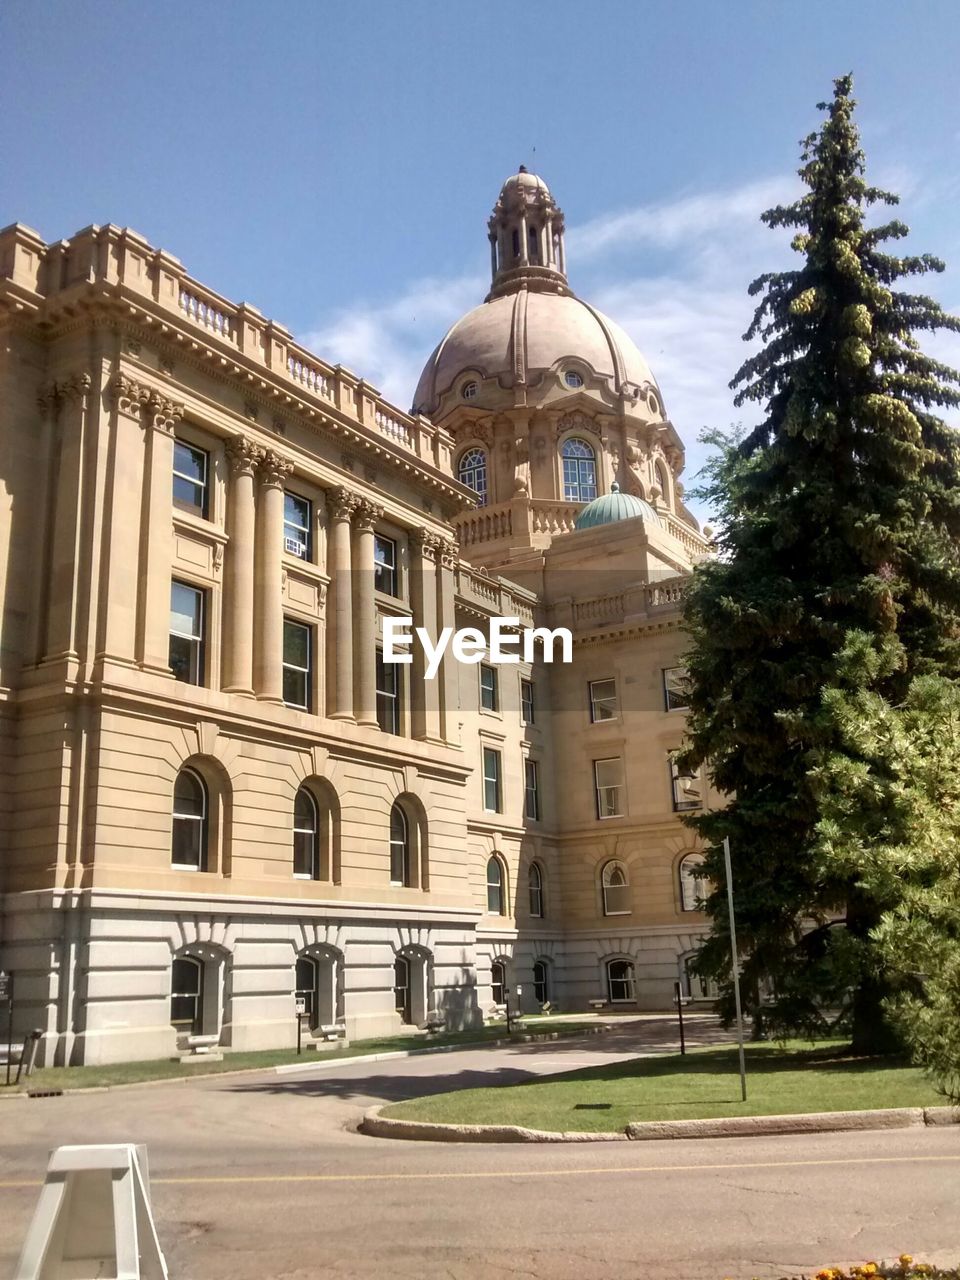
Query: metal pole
point(299, 1034)
point(735, 961)
point(678, 988)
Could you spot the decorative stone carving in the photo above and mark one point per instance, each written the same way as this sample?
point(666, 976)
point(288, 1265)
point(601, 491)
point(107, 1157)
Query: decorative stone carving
point(428, 544)
point(367, 514)
point(48, 398)
point(279, 426)
point(130, 395)
point(341, 503)
point(577, 422)
point(250, 410)
point(449, 554)
point(243, 455)
point(166, 365)
point(76, 386)
point(133, 346)
point(217, 558)
point(163, 414)
point(274, 469)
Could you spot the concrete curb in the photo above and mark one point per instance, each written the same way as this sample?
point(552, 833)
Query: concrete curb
point(377, 1126)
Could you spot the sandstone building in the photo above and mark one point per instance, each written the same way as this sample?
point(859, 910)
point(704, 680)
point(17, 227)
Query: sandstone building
point(216, 798)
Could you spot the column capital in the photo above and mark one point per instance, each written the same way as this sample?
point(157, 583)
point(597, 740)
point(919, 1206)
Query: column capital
point(75, 386)
point(163, 414)
point(367, 514)
point(129, 394)
point(449, 554)
point(243, 455)
point(342, 503)
point(274, 469)
point(429, 545)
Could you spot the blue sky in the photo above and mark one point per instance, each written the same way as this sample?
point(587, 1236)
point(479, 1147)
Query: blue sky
point(334, 164)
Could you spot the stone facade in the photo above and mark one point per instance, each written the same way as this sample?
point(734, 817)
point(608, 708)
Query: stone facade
point(214, 801)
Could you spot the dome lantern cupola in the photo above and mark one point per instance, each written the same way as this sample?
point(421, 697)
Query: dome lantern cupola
point(526, 238)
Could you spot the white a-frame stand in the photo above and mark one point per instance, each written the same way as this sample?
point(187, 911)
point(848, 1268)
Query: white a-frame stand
point(94, 1218)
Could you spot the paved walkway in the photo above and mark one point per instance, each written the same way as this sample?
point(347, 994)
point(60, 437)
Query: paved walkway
point(262, 1177)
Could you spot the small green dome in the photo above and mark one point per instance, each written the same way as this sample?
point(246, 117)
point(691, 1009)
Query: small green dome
point(611, 507)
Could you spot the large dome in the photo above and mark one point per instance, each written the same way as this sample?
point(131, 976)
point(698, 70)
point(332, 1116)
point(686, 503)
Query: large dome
point(518, 336)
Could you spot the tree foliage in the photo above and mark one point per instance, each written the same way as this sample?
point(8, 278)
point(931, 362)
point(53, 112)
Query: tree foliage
point(838, 573)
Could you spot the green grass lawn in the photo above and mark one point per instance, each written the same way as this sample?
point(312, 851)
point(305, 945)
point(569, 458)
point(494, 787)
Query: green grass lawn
point(705, 1083)
point(163, 1069)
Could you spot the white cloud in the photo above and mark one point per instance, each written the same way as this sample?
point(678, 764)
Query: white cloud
point(674, 275)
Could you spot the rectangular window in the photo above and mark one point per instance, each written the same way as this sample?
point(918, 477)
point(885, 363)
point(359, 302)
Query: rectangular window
point(297, 664)
point(608, 777)
point(489, 688)
point(531, 790)
point(191, 467)
point(675, 688)
point(492, 797)
point(388, 695)
point(527, 707)
point(297, 522)
point(603, 700)
point(385, 565)
point(186, 656)
point(687, 788)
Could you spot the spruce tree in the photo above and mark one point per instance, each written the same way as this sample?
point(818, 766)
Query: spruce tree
point(837, 570)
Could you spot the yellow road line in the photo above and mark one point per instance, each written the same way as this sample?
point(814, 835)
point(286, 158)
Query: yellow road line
point(523, 1173)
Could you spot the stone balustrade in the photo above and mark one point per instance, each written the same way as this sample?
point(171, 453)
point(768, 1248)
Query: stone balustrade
point(631, 605)
point(116, 256)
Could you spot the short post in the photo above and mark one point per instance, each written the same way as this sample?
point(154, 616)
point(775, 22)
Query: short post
point(678, 996)
point(6, 997)
point(301, 1009)
point(506, 1006)
point(735, 961)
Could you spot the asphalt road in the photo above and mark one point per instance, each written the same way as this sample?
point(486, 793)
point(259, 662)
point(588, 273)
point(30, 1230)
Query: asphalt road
point(262, 1177)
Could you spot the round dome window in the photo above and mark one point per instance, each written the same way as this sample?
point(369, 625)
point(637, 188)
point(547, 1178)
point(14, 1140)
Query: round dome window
point(469, 391)
point(573, 379)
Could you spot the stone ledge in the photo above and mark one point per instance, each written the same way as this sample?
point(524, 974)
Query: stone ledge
point(378, 1126)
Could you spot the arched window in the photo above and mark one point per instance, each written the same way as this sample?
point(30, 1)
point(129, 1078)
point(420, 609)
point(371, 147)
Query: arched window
point(306, 837)
point(536, 889)
point(573, 379)
point(190, 827)
point(660, 473)
point(515, 240)
point(495, 903)
point(469, 391)
point(498, 981)
point(472, 471)
point(693, 888)
point(186, 995)
point(579, 470)
point(305, 993)
point(541, 981)
point(616, 889)
point(401, 989)
point(533, 244)
point(399, 846)
point(620, 987)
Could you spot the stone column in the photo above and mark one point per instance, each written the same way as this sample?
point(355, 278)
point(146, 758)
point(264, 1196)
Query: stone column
point(449, 558)
point(117, 629)
point(424, 694)
point(153, 640)
point(549, 262)
point(524, 254)
point(341, 504)
point(71, 399)
point(493, 256)
point(268, 579)
point(365, 633)
point(243, 458)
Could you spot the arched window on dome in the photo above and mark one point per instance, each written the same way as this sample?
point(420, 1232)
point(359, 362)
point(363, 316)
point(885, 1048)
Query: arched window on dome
point(472, 471)
point(579, 470)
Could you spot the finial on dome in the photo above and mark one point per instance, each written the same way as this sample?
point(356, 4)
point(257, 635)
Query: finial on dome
point(522, 169)
point(615, 487)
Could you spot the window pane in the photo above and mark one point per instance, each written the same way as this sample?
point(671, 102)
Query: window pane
point(531, 790)
point(189, 478)
point(675, 688)
point(385, 565)
point(609, 784)
point(296, 645)
point(187, 841)
point(189, 799)
point(603, 700)
point(388, 695)
point(488, 688)
point(296, 525)
point(472, 469)
point(526, 701)
point(491, 780)
point(687, 788)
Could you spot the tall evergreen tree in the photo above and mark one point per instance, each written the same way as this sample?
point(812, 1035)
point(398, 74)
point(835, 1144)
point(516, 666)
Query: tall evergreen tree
point(838, 569)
